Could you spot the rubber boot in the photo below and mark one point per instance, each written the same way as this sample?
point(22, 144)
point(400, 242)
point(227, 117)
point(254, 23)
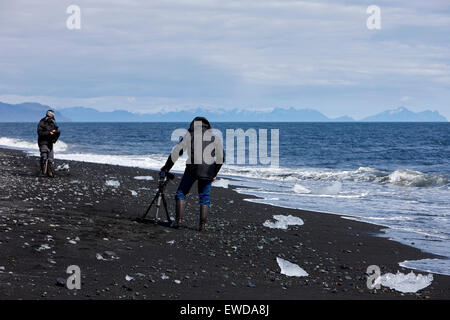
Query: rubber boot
point(179, 212)
point(203, 214)
point(50, 172)
point(43, 167)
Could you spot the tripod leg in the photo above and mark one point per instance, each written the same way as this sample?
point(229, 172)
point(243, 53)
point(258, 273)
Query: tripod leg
point(165, 207)
point(158, 205)
point(150, 206)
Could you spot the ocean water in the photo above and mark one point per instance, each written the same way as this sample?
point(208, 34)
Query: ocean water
point(391, 174)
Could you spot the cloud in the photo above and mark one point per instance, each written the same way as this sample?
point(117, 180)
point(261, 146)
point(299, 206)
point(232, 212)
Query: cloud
point(210, 52)
point(405, 98)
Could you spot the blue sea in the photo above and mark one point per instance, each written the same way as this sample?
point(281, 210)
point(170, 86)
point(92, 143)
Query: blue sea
point(391, 174)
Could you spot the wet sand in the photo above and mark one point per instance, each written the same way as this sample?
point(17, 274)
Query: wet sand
point(47, 225)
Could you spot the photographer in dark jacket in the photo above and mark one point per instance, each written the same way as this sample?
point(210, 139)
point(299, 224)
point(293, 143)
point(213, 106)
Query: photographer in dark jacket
point(205, 158)
point(48, 134)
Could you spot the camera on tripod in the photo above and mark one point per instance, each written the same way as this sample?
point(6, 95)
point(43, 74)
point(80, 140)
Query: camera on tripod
point(164, 178)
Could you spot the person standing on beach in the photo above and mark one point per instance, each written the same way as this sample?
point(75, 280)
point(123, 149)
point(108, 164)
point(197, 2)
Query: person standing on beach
point(205, 158)
point(48, 134)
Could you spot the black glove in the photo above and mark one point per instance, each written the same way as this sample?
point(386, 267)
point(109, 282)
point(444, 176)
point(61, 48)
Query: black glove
point(55, 136)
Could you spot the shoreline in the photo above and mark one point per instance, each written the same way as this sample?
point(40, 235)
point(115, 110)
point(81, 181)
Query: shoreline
point(234, 259)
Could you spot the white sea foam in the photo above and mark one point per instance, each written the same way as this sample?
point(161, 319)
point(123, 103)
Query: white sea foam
point(406, 283)
point(440, 266)
point(283, 222)
point(20, 144)
point(292, 174)
point(222, 183)
point(300, 189)
point(422, 232)
point(290, 269)
point(393, 218)
point(416, 179)
point(154, 162)
point(337, 196)
point(331, 191)
point(334, 189)
point(380, 222)
point(406, 178)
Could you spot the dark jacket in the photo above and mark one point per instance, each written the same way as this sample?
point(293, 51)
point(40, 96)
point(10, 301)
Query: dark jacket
point(43, 131)
point(199, 170)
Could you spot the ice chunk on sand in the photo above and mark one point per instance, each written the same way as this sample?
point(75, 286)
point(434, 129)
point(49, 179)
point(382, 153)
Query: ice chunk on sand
point(283, 222)
point(43, 247)
point(133, 193)
point(149, 178)
point(222, 183)
point(290, 269)
point(128, 278)
point(404, 282)
point(63, 167)
point(99, 256)
point(109, 254)
point(112, 183)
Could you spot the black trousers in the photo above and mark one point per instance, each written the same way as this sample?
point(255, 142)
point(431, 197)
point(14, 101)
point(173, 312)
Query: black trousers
point(46, 152)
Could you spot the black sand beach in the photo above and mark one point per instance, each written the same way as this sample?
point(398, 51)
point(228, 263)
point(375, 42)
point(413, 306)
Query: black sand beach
point(234, 259)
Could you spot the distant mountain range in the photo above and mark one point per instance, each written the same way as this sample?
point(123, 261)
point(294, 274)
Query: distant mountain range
point(32, 112)
point(26, 112)
point(404, 115)
point(81, 114)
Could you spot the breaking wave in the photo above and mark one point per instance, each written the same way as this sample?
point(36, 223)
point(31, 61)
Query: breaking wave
point(411, 178)
point(333, 190)
point(407, 178)
point(20, 144)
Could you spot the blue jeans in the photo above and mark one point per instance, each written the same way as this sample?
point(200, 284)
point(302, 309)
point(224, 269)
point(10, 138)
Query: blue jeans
point(204, 186)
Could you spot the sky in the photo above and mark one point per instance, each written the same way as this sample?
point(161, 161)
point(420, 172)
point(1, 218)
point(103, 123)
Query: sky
point(165, 55)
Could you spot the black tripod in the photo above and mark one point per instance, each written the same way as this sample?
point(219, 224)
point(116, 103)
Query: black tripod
point(164, 178)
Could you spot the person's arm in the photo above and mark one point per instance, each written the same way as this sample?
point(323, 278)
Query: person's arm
point(219, 165)
point(42, 131)
point(55, 135)
point(168, 165)
point(169, 162)
point(55, 132)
